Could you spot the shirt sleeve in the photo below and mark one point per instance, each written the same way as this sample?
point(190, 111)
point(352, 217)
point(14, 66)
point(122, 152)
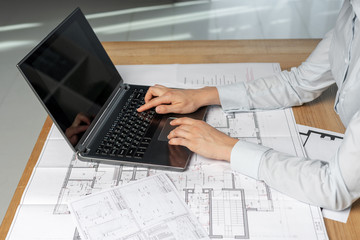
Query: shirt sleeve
point(332, 184)
point(287, 88)
point(246, 157)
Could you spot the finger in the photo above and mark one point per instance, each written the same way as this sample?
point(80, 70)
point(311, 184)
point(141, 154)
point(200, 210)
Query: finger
point(144, 107)
point(172, 108)
point(153, 103)
point(180, 141)
point(180, 132)
point(184, 120)
point(155, 91)
point(187, 128)
point(149, 95)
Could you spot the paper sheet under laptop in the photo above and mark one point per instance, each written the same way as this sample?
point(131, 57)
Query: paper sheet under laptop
point(149, 208)
point(195, 75)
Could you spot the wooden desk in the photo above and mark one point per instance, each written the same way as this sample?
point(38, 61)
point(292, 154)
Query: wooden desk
point(288, 53)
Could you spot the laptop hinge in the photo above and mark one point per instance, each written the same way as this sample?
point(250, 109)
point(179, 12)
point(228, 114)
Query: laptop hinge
point(84, 146)
point(81, 148)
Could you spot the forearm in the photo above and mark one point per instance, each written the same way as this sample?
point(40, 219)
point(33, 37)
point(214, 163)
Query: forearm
point(284, 89)
point(315, 182)
point(333, 183)
point(312, 181)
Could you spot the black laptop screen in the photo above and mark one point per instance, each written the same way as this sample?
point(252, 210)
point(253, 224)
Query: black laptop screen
point(71, 73)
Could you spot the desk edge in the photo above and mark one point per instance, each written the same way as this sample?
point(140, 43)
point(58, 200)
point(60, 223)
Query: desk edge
point(15, 201)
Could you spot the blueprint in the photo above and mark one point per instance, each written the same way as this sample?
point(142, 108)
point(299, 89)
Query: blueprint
point(319, 143)
point(150, 208)
point(227, 204)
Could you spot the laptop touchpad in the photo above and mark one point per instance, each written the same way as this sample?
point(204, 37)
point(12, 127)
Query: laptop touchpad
point(166, 130)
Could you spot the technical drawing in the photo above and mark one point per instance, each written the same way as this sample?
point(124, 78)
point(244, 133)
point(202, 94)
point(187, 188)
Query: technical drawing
point(221, 200)
point(322, 135)
point(150, 208)
point(84, 178)
point(314, 139)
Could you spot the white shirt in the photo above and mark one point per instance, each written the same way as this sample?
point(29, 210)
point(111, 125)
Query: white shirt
point(335, 183)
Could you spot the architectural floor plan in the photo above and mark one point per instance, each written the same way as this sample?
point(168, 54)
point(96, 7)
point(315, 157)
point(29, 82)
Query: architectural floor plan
point(150, 208)
point(227, 204)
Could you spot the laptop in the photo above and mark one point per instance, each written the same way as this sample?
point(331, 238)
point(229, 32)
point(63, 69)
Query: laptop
point(87, 99)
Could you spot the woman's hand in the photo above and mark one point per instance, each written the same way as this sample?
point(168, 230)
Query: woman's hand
point(167, 100)
point(201, 138)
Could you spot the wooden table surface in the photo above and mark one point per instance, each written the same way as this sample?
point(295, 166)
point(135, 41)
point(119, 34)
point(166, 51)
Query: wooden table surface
point(288, 53)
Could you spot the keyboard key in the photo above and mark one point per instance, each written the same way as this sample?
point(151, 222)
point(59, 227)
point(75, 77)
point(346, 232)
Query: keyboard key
point(142, 149)
point(144, 145)
point(138, 95)
point(135, 142)
point(139, 155)
point(129, 130)
point(146, 140)
point(113, 152)
point(105, 151)
point(131, 152)
point(121, 152)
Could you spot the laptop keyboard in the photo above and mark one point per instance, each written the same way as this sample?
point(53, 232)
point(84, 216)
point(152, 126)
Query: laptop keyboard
point(129, 135)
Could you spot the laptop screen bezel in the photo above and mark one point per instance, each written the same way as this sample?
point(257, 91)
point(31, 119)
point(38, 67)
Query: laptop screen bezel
point(79, 17)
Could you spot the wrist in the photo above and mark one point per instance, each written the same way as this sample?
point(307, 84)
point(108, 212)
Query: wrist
point(208, 96)
point(230, 145)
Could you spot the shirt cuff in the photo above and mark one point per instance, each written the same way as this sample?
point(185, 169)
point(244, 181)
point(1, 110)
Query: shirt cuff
point(246, 158)
point(233, 97)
